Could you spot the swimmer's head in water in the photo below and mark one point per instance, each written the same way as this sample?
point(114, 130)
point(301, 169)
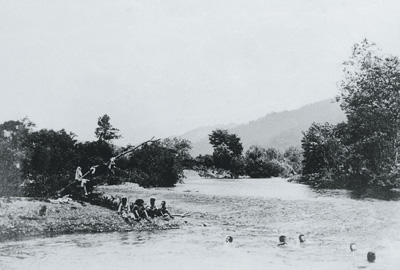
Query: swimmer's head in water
point(302, 238)
point(163, 203)
point(152, 200)
point(282, 239)
point(371, 256)
point(353, 247)
point(229, 239)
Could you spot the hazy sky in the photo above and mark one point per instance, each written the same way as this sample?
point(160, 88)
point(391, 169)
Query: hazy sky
point(163, 67)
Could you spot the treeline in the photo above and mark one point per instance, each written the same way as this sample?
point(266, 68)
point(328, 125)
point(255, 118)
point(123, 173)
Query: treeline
point(40, 163)
point(229, 161)
point(364, 151)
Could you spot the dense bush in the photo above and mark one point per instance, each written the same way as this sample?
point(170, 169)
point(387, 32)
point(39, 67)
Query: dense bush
point(43, 162)
point(227, 154)
point(12, 136)
point(263, 163)
point(364, 151)
point(157, 166)
point(10, 175)
point(49, 163)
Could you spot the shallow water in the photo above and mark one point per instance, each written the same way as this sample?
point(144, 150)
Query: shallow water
point(254, 212)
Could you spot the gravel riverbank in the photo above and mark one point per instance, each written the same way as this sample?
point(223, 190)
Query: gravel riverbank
point(22, 217)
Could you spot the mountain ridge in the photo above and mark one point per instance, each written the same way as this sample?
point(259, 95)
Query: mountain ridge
point(279, 130)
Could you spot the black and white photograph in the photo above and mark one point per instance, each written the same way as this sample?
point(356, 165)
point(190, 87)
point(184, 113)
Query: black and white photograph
point(199, 134)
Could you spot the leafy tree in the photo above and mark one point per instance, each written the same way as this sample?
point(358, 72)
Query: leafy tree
point(262, 163)
point(227, 153)
point(92, 153)
point(155, 165)
point(49, 162)
point(12, 136)
point(222, 138)
point(205, 160)
point(370, 95)
point(204, 165)
point(105, 131)
point(293, 157)
point(272, 154)
point(181, 147)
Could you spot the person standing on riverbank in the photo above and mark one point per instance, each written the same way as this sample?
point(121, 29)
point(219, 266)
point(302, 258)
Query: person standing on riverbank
point(79, 177)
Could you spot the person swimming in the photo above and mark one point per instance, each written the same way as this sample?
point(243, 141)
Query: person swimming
point(229, 239)
point(282, 241)
point(353, 247)
point(371, 256)
point(302, 238)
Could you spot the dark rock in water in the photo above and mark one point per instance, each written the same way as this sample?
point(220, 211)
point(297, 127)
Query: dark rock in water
point(42, 211)
point(371, 256)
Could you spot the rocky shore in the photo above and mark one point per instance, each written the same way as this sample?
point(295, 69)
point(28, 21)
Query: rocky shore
point(22, 217)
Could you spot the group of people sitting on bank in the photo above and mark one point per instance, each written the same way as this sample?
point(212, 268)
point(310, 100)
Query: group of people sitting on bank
point(137, 211)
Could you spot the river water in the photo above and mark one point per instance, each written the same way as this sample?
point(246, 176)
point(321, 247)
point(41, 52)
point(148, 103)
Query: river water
point(254, 212)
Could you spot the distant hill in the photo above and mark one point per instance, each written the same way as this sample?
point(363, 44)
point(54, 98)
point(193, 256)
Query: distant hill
point(278, 130)
point(199, 138)
point(200, 133)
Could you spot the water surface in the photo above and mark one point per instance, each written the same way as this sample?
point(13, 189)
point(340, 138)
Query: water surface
point(254, 212)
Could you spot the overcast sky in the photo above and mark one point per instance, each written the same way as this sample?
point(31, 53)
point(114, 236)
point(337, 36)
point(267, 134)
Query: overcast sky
point(161, 68)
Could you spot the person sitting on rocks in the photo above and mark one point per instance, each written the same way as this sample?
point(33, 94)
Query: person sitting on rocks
point(79, 177)
point(163, 211)
point(152, 208)
point(139, 211)
point(123, 208)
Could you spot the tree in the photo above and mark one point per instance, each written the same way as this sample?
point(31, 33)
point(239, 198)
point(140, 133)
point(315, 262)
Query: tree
point(181, 147)
point(293, 158)
point(364, 151)
point(12, 136)
point(49, 162)
point(155, 165)
point(370, 95)
point(222, 138)
point(105, 131)
point(92, 153)
point(262, 163)
point(227, 153)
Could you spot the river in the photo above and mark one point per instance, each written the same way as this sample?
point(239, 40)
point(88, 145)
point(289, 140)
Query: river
point(253, 211)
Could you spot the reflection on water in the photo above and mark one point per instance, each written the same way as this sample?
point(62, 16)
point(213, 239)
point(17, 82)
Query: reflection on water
point(330, 219)
point(379, 194)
